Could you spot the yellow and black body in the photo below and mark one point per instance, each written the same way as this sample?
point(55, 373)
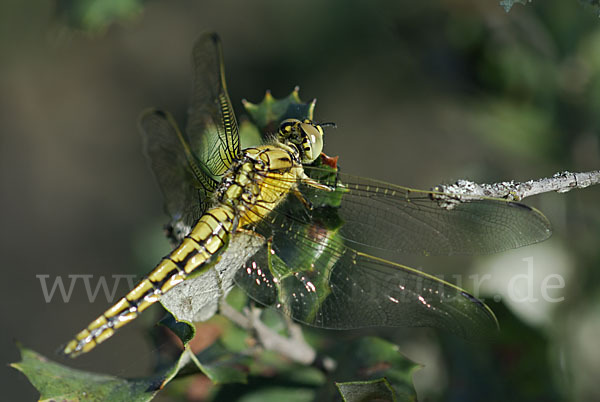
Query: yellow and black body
point(320, 264)
point(252, 187)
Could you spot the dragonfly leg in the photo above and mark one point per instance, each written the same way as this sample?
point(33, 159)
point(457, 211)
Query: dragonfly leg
point(313, 183)
point(304, 201)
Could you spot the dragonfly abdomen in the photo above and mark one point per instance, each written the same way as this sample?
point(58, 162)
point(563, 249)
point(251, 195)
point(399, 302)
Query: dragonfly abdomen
point(196, 253)
point(250, 190)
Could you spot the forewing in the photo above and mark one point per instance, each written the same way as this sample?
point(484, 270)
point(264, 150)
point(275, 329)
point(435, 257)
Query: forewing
point(381, 216)
point(212, 127)
point(186, 188)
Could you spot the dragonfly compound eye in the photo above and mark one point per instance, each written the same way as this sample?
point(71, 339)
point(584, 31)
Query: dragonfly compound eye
point(312, 141)
point(305, 135)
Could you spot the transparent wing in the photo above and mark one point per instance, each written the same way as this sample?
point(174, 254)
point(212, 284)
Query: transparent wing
point(307, 272)
point(185, 187)
point(379, 216)
point(212, 127)
point(320, 265)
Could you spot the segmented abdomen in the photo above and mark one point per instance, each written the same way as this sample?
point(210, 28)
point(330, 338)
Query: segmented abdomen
point(196, 253)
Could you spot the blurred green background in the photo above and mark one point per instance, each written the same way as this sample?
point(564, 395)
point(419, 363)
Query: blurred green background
point(422, 93)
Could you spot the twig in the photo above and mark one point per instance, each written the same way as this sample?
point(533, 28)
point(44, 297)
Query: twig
point(294, 347)
point(465, 190)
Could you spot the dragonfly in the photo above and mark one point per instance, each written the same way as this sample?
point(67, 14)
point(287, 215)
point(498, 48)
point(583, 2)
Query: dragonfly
point(322, 233)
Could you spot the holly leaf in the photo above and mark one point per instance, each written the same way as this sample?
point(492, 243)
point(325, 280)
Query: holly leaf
point(222, 366)
point(250, 135)
point(376, 367)
point(270, 112)
point(55, 381)
point(183, 329)
point(363, 391)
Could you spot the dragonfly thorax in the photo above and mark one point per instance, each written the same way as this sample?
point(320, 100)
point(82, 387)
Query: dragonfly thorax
point(258, 181)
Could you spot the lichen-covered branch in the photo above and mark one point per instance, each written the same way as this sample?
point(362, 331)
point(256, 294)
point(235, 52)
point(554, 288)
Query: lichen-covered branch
point(294, 347)
point(465, 190)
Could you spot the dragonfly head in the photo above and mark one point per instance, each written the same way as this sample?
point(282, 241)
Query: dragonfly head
point(305, 135)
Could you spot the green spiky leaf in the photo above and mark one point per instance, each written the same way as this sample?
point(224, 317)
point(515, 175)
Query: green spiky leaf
point(373, 359)
point(183, 329)
point(57, 382)
point(250, 135)
point(267, 114)
point(324, 173)
point(221, 366)
point(363, 391)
